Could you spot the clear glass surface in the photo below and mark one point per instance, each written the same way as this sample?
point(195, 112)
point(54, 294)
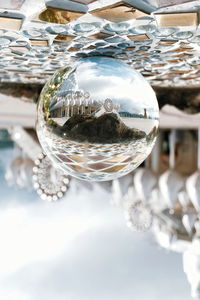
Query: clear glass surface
point(97, 119)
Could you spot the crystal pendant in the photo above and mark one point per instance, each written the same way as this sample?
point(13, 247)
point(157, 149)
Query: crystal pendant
point(139, 216)
point(50, 183)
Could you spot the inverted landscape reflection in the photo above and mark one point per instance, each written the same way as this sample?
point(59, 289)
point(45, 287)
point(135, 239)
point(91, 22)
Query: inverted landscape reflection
point(98, 119)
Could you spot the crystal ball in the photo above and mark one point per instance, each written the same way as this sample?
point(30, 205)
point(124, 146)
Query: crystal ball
point(97, 119)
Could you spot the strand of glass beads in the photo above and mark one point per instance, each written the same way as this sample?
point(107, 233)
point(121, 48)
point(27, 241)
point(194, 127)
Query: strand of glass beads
point(50, 183)
point(138, 216)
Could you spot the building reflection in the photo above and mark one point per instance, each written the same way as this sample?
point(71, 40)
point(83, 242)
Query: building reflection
point(80, 103)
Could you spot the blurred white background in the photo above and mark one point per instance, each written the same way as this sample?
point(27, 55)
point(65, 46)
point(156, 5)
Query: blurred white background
point(79, 249)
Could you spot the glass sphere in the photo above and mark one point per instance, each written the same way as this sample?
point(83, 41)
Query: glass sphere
point(97, 119)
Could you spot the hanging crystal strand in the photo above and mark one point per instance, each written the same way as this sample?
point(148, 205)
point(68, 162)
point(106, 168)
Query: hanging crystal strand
point(170, 182)
point(138, 216)
point(191, 221)
point(145, 180)
point(29, 150)
point(116, 193)
point(19, 171)
point(155, 203)
point(183, 198)
point(22, 171)
point(172, 141)
point(11, 174)
point(25, 141)
point(155, 156)
point(138, 212)
point(50, 183)
point(193, 182)
point(198, 149)
point(197, 206)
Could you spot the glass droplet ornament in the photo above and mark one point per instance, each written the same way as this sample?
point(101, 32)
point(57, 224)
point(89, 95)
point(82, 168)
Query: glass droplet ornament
point(138, 216)
point(50, 183)
point(97, 119)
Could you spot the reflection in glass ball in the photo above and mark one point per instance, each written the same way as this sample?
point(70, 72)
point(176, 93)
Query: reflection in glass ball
point(97, 119)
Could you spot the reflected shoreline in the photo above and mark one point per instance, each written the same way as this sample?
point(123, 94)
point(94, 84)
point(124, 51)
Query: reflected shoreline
point(106, 129)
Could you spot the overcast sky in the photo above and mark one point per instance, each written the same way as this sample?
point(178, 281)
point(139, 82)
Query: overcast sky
point(79, 249)
point(105, 78)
